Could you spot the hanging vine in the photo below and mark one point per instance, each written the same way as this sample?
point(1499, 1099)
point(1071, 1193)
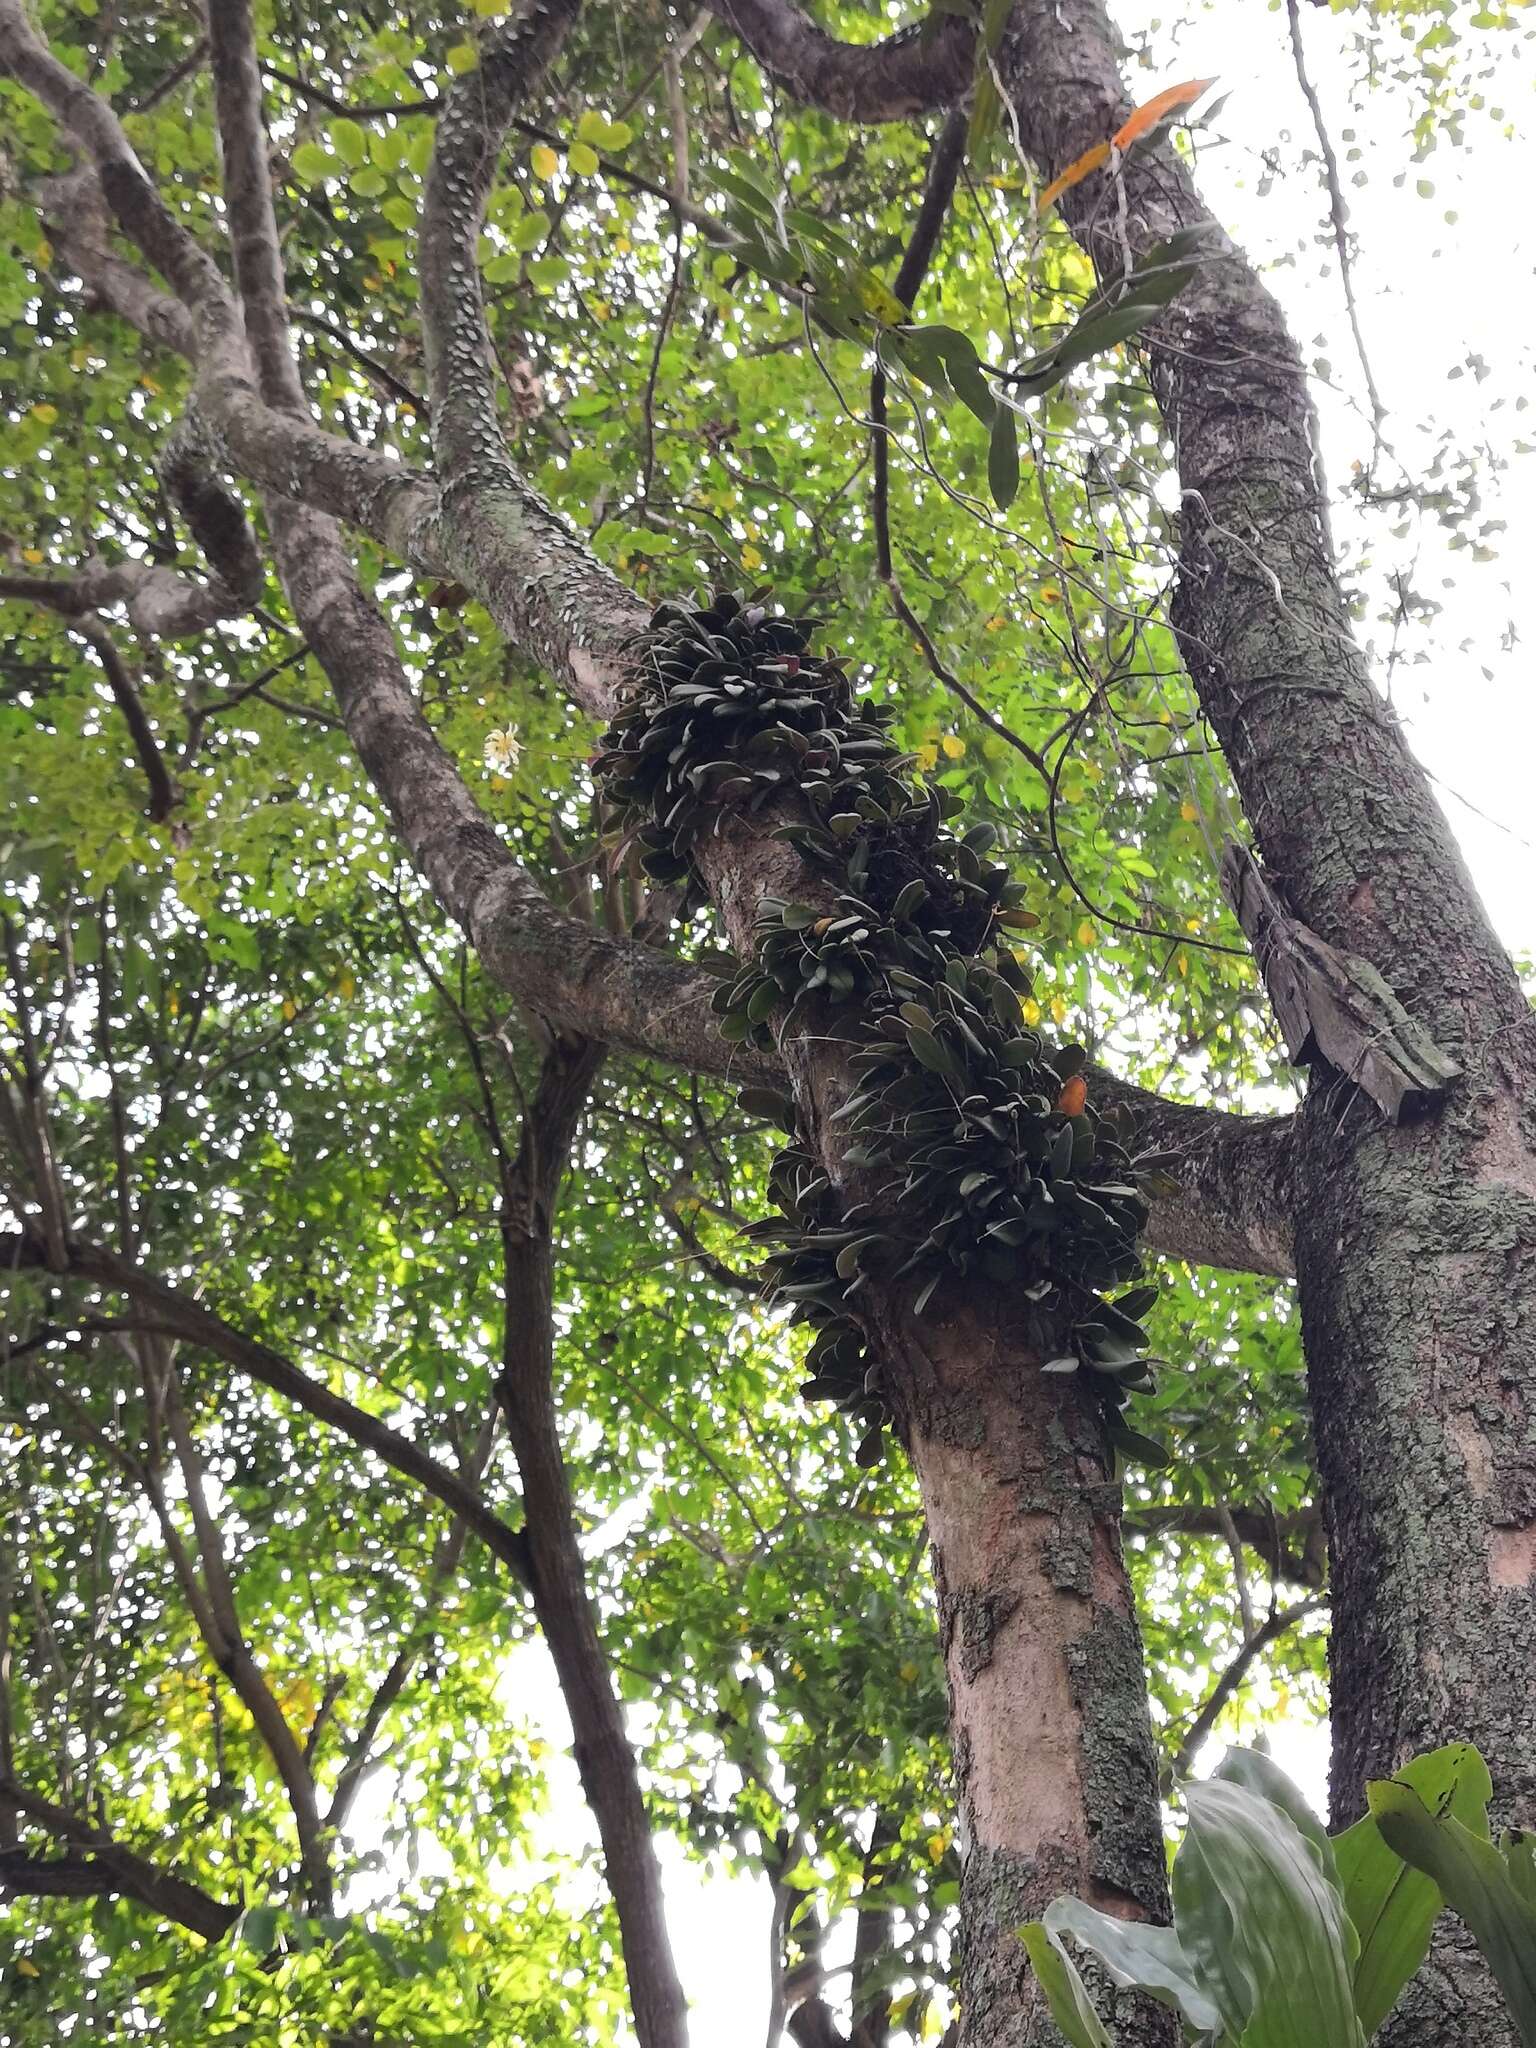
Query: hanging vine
point(985, 1156)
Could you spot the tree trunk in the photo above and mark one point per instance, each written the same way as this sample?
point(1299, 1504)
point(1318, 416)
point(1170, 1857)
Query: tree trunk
point(1416, 1246)
point(1419, 1293)
point(1053, 1755)
point(1055, 1778)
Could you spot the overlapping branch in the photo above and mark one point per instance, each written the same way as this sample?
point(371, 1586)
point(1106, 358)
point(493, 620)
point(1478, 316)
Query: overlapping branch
point(908, 73)
point(93, 1865)
point(176, 1313)
point(545, 589)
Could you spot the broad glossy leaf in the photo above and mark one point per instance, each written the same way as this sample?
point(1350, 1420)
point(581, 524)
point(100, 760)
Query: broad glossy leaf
point(1138, 1956)
point(1064, 1990)
point(1475, 1879)
point(1263, 1927)
point(1392, 1905)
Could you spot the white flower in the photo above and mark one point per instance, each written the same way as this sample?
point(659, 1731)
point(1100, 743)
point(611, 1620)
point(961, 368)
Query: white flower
point(503, 751)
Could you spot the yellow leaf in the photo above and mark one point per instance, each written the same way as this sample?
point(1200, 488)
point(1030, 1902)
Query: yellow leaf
point(1161, 104)
point(953, 746)
point(601, 310)
point(290, 1009)
point(147, 383)
point(877, 298)
point(545, 162)
point(488, 7)
point(582, 159)
point(45, 415)
point(346, 985)
point(1087, 932)
point(1032, 1011)
point(1050, 593)
point(461, 58)
point(1188, 813)
point(25, 1967)
point(1182, 963)
point(996, 623)
point(44, 251)
point(750, 557)
point(908, 1674)
point(32, 555)
point(1074, 174)
point(1058, 1009)
point(928, 757)
point(937, 1844)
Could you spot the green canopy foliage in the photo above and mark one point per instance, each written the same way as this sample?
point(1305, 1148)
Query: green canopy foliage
point(276, 1078)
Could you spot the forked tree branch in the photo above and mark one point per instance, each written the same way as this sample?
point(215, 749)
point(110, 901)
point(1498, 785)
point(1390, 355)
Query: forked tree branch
point(525, 1390)
point(59, 597)
point(178, 1314)
point(911, 72)
point(565, 611)
point(95, 1866)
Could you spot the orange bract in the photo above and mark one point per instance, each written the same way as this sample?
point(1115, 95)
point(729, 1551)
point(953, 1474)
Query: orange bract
point(1074, 174)
point(1168, 101)
point(1142, 122)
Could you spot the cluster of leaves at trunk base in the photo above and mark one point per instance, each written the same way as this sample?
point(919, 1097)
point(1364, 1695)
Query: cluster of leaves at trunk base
point(981, 1151)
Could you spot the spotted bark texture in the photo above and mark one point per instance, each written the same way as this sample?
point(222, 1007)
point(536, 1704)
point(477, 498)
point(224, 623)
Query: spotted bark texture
point(1054, 1770)
point(1415, 1247)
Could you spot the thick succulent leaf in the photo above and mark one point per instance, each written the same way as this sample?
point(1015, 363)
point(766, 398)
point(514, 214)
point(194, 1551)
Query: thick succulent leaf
point(1475, 1879)
point(1392, 1905)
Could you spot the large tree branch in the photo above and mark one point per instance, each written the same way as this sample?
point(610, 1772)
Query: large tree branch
point(908, 73)
point(178, 1314)
point(95, 1865)
point(1292, 1547)
point(569, 613)
point(605, 1758)
point(1227, 1197)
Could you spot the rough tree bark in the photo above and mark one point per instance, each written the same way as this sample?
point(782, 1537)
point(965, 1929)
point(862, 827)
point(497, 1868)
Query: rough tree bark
point(1419, 1272)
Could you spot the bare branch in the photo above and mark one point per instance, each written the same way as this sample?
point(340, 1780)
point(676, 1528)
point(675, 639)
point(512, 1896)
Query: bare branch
point(1268, 1631)
point(60, 597)
point(1291, 1547)
point(525, 1390)
point(1338, 212)
point(218, 1618)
